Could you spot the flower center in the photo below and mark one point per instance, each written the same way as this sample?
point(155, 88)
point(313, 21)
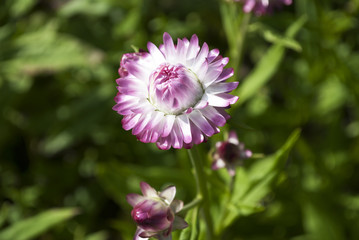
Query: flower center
point(174, 88)
point(229, 152)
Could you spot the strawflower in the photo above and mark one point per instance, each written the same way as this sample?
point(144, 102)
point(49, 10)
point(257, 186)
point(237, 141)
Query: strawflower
point(230, 154)
point(154, 212)
point(174, 95)
point(260, 7)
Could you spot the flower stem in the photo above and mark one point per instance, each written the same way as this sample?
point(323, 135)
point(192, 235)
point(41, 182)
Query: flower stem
point(192, 204)
point(235, 23)
point(202, 191)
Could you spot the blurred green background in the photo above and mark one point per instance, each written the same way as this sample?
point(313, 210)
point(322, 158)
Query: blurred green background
point(62, 146)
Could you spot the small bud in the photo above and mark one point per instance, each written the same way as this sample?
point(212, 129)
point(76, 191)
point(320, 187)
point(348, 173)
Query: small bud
point(230, 153)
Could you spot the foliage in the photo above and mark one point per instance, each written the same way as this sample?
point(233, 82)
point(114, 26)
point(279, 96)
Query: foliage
point(61, 145)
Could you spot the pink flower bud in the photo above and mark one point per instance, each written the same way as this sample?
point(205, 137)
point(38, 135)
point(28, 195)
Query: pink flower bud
point(153, 215)
point(154, 212)
point(230, 153)
point(261, 7)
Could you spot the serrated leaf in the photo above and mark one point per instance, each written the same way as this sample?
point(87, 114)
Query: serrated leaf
point(34, 226)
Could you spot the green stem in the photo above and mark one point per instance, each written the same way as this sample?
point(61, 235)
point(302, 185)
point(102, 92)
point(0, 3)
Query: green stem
point(240, 40)
point(235, 23)
point(192, 204)
point(202, 191)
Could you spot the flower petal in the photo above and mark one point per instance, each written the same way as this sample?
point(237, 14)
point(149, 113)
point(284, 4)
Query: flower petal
point(133, 199)
point(137, 234)
point(214, 116)
point(147, 190)
point(179, 223)
point(225, 87)
point(168, 124)
point(176, 205)
point(147, 234)
point(168, 194)
point(233, 138)
point(217, 164)
point(156, 54)
point(184, 124)
point(221, 99)
point(201, 122)
point(170, 51)
point(226, 73)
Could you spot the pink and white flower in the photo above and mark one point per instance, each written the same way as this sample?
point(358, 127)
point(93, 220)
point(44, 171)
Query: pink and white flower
point(155, 212)
point(260, 7)
point(174, 95)
point(230, 154)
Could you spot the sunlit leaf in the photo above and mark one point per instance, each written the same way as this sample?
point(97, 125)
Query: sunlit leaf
point(34, 226)
point(266, 67)
point(252, 186)
point(102, 235)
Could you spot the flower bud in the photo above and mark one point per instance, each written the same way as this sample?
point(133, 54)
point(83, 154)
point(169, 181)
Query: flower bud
point(230, 153)
point(154, 212)
point(153, 215)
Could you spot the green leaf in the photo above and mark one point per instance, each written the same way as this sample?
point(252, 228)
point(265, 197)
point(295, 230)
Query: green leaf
point(34, 226)
point(261, 74)
point(320, 221)
point(101, 235)
point(267, 66)
point(46, 50)
point(272, 36)
point(192, 231)
point(20, 7)
point(252, 186)
point(86, 7)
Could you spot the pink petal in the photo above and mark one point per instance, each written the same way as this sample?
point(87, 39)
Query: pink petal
point(184, 124)
point(138, 71)
point(177, 137)
point(227, 73)
point(201, 122)
point(197, 135)
point(133, 199)
point(164, 143)
point(193, 47)
point(168, 125)
point(147, 190)
point(217, 164)
point(169, 46)
point(212, 55)
point(211, 76)
point(214, 116)
point(156, 54)
point(181, 51)
point(221, 99)
point(130, 121)
point(201, 58)
point(233, 138)
point(223, 87)
point(138, 232)
point(145, 118)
